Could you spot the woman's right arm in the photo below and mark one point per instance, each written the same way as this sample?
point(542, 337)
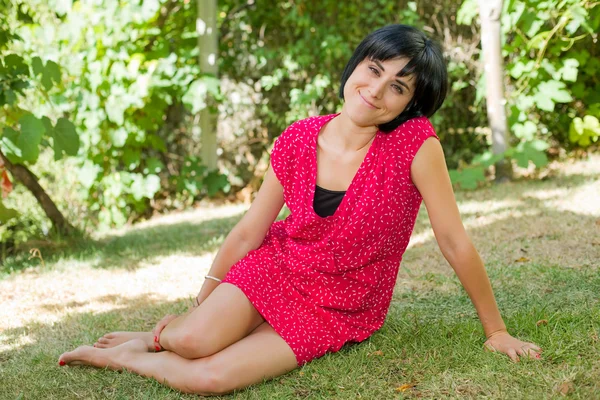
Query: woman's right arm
point(249, 233)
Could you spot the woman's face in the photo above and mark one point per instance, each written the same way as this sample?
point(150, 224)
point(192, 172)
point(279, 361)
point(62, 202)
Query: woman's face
point(374, 95)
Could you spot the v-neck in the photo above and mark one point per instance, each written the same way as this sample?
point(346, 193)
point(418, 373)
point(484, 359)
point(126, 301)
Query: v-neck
point(344, 202)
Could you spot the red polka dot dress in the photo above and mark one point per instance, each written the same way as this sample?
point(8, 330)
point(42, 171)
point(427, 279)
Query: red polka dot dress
point(321, 282)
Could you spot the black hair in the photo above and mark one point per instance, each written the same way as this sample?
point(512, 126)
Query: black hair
point(426, 63)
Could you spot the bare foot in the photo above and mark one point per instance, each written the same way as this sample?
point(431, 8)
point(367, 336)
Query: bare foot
point(113, 358)
point(116, 338)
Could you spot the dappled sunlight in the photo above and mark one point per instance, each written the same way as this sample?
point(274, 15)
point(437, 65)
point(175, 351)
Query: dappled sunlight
point(48, 297)
point(479, 207)
point(571, 167)
point(204, 212)
point(584, 200)
point(553, 222)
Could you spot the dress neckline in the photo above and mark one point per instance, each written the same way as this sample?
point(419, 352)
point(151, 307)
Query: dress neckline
point(330, 191)
point(326, 119)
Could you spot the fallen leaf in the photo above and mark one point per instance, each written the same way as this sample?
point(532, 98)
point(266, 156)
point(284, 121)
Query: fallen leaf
point(565, 388)
point(598, 222)
point(594, 336)
point(301, 373)
point(405, 387)
point(376, 353)
point(542, 322)
point(522, 259)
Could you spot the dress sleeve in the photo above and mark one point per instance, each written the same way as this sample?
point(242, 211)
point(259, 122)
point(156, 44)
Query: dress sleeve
point(282, 153)
point(422, 130)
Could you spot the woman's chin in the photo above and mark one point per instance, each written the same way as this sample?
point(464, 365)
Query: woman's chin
point(363, 119)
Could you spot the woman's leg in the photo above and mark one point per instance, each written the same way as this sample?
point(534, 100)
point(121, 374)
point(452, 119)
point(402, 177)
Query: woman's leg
point(223, 318)
point(261, 355)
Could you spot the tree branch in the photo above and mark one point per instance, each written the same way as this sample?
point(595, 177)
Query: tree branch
point(30, 181)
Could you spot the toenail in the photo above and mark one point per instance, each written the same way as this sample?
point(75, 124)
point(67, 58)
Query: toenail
point(157, 348)
point(61, 363)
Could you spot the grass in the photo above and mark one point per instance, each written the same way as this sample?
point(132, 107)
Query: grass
point(540, 241)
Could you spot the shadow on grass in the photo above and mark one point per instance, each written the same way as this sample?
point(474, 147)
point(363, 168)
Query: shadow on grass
point(142, 244)
point(516, 223)
point(30, 370)
point(127, 251)
point(432, 339)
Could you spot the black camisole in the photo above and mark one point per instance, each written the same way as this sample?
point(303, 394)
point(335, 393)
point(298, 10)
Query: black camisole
point(327, 201)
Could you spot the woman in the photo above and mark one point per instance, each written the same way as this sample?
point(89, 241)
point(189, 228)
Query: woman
point(280, 294)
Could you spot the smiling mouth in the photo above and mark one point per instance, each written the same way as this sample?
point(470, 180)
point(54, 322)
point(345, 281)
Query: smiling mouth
point(365, 100)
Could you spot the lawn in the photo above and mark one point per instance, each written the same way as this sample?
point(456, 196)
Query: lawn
point(540, 241)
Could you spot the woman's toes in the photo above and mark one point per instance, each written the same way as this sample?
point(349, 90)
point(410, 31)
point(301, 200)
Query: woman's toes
point(78, 356)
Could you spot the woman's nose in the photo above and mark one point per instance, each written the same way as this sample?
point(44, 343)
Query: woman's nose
point(377, 88)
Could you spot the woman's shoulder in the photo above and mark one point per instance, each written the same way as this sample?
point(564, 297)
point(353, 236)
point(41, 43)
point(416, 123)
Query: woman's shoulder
point(415, 128)
point(302, 128)
point(404, 141)
point(314, 121)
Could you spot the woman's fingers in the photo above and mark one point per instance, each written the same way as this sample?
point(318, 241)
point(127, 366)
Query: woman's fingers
point(488, 346)
point(159, 327)
point(512, 353)
point(536, 348)
point(531, 351)
point(513, 347)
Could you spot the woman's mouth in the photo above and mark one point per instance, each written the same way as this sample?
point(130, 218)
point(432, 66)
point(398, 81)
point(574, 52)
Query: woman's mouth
point(366, 102)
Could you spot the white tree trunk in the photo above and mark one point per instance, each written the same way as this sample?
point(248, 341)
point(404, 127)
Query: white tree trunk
point(490, 12)
point(206, 26)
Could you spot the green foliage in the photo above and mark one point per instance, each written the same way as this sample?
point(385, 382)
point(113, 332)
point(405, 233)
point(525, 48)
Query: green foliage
point(584, 131)
point(6, 213)
point(23, 135)
point(134, 93)
point(467, 178)
point(116, 87)
point(553, 64)
point(131, 72)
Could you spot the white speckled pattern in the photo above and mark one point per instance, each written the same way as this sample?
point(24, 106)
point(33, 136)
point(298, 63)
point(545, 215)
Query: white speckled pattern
point(321, 282)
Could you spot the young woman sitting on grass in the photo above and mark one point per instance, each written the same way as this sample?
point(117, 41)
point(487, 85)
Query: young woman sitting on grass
point(280, 294)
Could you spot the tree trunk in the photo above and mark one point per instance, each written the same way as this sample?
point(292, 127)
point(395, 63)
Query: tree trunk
point(206, 26)
point(27, 178)
point(490, 12)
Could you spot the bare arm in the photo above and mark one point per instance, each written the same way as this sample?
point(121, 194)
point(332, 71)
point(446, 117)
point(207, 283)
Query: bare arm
point(249, 233)
point(430, 176)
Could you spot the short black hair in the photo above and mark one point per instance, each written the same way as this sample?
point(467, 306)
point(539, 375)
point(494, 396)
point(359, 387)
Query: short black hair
point(426, 63)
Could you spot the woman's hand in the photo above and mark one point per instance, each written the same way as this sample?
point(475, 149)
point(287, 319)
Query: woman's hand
point(512, 347)
point(159, 327)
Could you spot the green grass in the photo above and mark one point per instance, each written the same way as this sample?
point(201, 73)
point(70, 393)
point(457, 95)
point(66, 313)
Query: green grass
point(432, 338)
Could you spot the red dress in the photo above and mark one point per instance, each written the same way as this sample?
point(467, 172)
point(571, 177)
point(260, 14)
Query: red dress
point(321, 282)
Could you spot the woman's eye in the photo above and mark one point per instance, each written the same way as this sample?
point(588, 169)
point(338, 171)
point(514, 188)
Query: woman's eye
point(374, 70)
point(397, 89)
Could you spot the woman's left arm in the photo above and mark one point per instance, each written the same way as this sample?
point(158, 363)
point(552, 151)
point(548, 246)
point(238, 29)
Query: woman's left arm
point(430, 175)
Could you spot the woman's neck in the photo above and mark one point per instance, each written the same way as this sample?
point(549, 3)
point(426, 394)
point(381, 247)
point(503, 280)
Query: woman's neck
point(342, 133)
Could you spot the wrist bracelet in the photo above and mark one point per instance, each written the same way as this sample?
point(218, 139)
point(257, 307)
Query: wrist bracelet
point(213, 278)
